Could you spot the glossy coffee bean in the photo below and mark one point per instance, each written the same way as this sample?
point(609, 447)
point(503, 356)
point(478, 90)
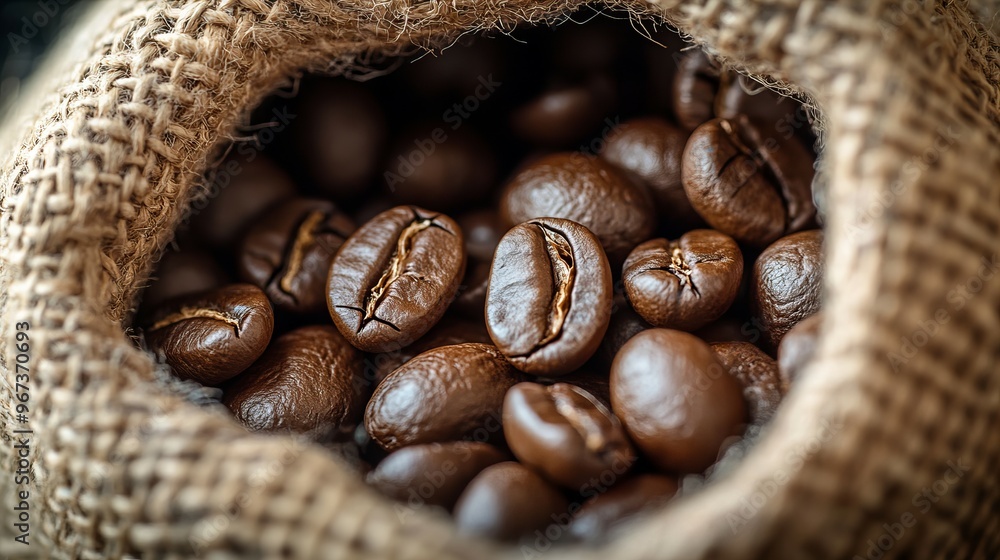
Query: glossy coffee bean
point(562, 116)
point(741, 95)
point(432, 474)
point(182, 273)
point(695, 87)
point(797, 348)
point(786, 283)
point(445, 394)
point(586, 190)
point(437, 167)
point(676, 401)
point(213, 336)
point(565, 434)
point(684, 284)
point(746, 184)
point(306, 382)
point(650, 149)
point(245, 189)
point(447, 332)
point(758, 375)
point(395, 277)
point(508, 501)
point(630, 497)
point(287, 253)
point(549, 297)
point(340, 137)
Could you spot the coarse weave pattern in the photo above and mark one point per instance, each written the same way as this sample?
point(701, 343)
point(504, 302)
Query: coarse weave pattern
point(904, 397)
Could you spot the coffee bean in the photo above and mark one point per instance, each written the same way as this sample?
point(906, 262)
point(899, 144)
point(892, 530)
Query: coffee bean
point(308, 381)
point(650, 149)
point(758, 375)
point(248, 187)
point(676, 401)
point(605, 511)
point(562, 116)
point(340, 138)
point(444, 394)
point(213, 336)
point(684, 284)
point(797, 348)
point(584, 189)
point(786, 284)
point(288, 253)
point(549, 297)
point(433, 474)
point(741, 95)
point(439, 167)
point(747, 185)
point(565, 434)
point(182, 273)
point(508, 501)
point(695, 88)
point(447, 332)
point(395, 277)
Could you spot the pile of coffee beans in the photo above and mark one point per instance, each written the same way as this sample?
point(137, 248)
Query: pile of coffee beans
point(532, 285)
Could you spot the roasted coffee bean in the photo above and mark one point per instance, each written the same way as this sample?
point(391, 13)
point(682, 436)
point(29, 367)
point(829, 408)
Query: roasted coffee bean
point(746, 185)
point(288, 253)
point(444, 394)
point(395, 277)
point(249, 186)
point(565, 434)
point(591, 379)
point(213, 336)
point(797, 348)
point(447, 332)
point(684, 284)
point(182, 273)
point(584, 189)
point(440, 169)
point(675, 399)
point(508, 501)
point(549, 297)
point(758, 375)
point(786, 284)
point(695, 88)
point(342, 138)
point(630, 497)
point(434, 473)
point(650, 149)
point(562, 116)
point(306, 382)
point(741, 95)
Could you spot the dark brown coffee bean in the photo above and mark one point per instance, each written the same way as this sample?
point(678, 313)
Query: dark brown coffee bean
point(684, 284)
point(604, 512)
point(446, 333)
point(586, 190)
point(650, 149)
point(308, 381)
point(677, 402)
point(549, 297)
point(565, 434)
point(797, 348)
point(758, 375)
point(287, 253)
point(213, 336)
point(182, 273)
point(395, 277)
point(695, 88)
point(786, 284)
point(508, 501)
point(741, 95)
point(246, 188)
point(444, 394)
point(440, 168)
point(340, 137)
point(562, 116)
point(433, 474)
point(744, 184)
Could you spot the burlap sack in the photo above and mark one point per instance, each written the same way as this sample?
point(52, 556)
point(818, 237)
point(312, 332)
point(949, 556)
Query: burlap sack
point(889, 448)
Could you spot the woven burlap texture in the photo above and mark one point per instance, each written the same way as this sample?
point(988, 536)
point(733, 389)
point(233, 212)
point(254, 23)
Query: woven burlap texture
point(123, 466)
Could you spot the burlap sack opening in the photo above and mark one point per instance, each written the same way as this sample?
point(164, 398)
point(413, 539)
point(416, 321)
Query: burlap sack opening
point(904, 397)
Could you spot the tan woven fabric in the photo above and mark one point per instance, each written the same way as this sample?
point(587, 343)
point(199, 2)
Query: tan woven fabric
point(123, 466)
